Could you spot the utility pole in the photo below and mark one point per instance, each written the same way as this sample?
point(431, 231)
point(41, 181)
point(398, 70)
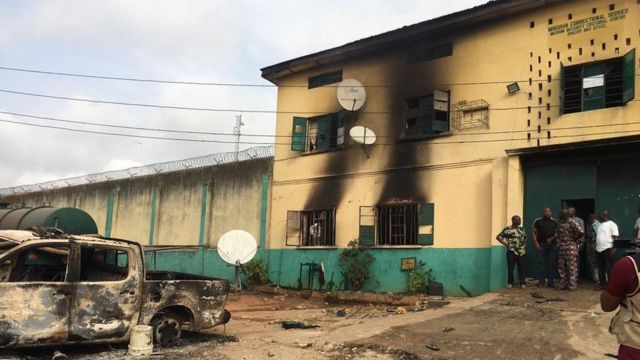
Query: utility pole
point(237, 131)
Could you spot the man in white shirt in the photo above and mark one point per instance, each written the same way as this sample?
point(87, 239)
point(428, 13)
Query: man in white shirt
point(636, 228)
point(607, 234)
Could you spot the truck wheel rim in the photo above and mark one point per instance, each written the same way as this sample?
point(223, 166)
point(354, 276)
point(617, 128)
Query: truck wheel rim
point(168, 332)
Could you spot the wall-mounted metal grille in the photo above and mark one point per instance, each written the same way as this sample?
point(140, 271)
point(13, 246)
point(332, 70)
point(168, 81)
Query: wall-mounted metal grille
point(153, 169)
point(397, 224)
point(318, 228)
point(470, 114)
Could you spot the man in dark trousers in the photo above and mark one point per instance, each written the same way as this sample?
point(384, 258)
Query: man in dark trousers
point(590, 236)
point(544, 229)
point(515, 239)
point(605, 251)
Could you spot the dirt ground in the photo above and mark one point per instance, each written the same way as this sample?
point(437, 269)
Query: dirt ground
point(508, 324)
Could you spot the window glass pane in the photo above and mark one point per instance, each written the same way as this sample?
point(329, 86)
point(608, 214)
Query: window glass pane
point(593, 81)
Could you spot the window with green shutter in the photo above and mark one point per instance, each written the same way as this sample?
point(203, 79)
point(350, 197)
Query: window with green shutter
point(293, 235)
point(311, 228)
point(318, 134)
point(299, 134)
point(367, 231)
point(427, 115)
point(425, 224)
point(597, 85)
point(629, 76)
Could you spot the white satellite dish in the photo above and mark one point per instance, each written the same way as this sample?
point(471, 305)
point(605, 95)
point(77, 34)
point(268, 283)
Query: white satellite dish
point(237, 247)
point(362, 135)
point(351, 94)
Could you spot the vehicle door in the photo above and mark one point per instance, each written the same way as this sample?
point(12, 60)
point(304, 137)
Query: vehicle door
point(34, 293)
point(108, 294)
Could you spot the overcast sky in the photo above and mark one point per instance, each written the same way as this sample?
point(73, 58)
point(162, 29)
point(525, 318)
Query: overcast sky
point(203, 41)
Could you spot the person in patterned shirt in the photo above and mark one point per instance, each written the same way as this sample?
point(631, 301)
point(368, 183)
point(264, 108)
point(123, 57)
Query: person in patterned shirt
point(568, 236)
point(514, 239)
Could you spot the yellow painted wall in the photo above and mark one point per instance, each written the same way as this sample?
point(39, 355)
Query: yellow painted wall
point(474, 185)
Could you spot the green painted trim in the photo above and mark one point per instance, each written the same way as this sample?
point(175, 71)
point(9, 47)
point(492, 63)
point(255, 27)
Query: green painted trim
point(264, 206)
point(463, 272)
point(152, 225)
point(109, 221)
point(203, 214)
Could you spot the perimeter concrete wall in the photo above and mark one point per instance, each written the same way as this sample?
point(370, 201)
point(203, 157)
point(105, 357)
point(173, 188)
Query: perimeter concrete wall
point(187, 208)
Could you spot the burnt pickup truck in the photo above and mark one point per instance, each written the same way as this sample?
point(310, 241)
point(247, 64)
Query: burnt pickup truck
point(65, 289)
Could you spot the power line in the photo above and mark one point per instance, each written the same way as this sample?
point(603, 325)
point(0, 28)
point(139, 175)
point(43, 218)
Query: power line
point(136, 127)
point(231, 84)
point(281, 143)
point(46, 118)
point(103, 77)
point(254, 111)
point(136, 136)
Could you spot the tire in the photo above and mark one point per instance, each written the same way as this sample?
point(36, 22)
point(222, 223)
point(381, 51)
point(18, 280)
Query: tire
point(167, 330)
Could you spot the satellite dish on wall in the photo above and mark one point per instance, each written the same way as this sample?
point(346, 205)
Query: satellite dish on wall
point(362, 135)
point(351, 94)
point(237, 247)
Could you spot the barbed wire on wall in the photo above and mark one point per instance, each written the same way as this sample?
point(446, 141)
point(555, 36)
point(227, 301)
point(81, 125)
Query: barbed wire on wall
point(146, 170)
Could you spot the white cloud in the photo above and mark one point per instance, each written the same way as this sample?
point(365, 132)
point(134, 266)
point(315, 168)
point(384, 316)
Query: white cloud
point(200, 40)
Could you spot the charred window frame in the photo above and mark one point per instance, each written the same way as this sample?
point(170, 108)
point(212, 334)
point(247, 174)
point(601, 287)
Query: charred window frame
point(597, 85)
point(325, 79)
point(429, 53)
point(318, 134)
point(406, 224)
point(311, 228)
point(49, 263)
point(397, 225)
point(427, 116)
point(103, 264)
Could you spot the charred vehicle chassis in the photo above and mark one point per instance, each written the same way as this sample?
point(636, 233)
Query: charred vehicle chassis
point(62, 289)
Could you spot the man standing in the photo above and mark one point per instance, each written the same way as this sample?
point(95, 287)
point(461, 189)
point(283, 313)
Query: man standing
point(636, 228)
point(545, 228)
point(622, 290)
point(568, 238)
point(572, 216)
point(515, 239)
point(606, 235)
point(591, 230)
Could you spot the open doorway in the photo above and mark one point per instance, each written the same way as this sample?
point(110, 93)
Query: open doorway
point(584, 207)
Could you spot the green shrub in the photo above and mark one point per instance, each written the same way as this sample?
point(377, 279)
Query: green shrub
point(356, 261)
point(417, 282)
point(419, 278)
point(256, 271)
